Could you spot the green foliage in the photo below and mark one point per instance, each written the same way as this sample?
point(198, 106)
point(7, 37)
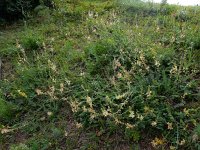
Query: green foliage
point(133, 134)
point(19, 147)
point(7, 111)
point(31, 43)
point(121, 67)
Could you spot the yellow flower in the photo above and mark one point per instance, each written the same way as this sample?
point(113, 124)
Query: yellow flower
point(157, 142)
point(22, 94)
point(169, 126)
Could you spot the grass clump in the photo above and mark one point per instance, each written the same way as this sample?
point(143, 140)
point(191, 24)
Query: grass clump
point(7, 111)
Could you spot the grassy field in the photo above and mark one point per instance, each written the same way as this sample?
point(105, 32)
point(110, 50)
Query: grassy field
point(101, 74)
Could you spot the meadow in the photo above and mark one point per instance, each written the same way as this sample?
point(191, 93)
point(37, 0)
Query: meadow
point(101, 74)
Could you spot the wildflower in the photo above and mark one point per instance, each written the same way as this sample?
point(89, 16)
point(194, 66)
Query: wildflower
point(44, 45)
point(153, 123)
point(119, 75)
point(140, 117)
point(169, 126)
point(138, 62)
point(84, 109)
point(42, 119)
point(92, 116)
point(22, 94)
point(182, 142)
point(52, 89)
point(5, 130)
point(194, 122)
point(174, 69)
point(52, 39)
point(91, 110)
point(82, 74)
point(61, 87)
point(107, 99)
point(96, 14)
point(195, 137)
point(89, 101)
point(52, 65)
point(79, 125)
point(129, 126)
point(49, 113)
point(132, 114)
point(75, 106)
point(142, 58)
point(186, 111)
point(120, 96)
point(90, 14)
point(117, 121)
point(112, 80)
point(117, 64)
point(38, 92)
point(66, 134)
point(157, 142)
point(172, 147)
point(18, 45)
point(149, 92)
point(105, 112)
point(185, 128)
point(68, 81)
point(157, 63)
point(146, 109)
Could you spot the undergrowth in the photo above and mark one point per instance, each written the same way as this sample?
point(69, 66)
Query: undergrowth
point(123, 68)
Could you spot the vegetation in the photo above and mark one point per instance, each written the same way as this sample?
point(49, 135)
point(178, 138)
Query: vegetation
point(101, 75)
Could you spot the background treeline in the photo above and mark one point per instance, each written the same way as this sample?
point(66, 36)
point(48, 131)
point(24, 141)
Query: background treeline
point(14, 9)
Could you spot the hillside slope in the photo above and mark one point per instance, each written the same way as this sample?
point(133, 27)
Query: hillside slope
point(101, 75)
